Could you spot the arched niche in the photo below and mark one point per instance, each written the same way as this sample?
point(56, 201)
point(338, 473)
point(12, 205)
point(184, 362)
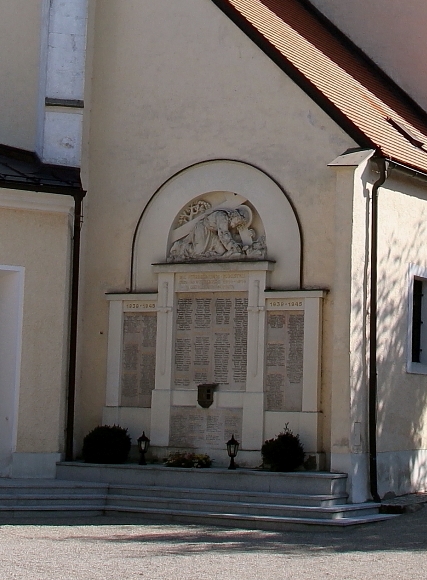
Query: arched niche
point(273, 215)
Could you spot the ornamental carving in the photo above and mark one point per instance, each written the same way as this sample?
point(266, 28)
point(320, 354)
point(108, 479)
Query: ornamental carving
point(224, 227)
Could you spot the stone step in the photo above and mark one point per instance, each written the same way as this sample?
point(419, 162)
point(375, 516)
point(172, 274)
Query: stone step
point(54, 499)
point(259, 509)
point(227, 495)
point(50, 498)
point(239, 507)
point(247, 521)
point(52, 511)
point(49, 487)
point(222, 479)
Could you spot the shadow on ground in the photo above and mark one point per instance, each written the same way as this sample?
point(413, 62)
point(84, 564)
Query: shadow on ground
point(407, 532)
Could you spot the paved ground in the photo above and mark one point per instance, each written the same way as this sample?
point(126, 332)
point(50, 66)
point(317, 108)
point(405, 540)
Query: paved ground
point(116, 548)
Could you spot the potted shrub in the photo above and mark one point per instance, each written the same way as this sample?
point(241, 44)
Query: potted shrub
point(106, 444)
point(284, 452)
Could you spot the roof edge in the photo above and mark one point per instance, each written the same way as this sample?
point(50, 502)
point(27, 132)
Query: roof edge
point(65, 180)
point(408, 169)
point(75, 192)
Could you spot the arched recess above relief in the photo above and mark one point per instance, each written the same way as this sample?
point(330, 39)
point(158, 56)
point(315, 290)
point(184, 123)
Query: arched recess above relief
point(273, 220)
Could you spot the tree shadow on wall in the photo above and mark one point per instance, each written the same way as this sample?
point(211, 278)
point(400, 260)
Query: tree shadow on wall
point(402, 396)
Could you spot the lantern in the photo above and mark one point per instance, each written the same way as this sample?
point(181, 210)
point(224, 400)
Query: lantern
point(143, 444)
point(232, 449)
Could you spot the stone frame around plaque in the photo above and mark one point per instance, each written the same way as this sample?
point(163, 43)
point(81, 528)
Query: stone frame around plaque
point(258, 424)
point(251, 277)
point(305, 422)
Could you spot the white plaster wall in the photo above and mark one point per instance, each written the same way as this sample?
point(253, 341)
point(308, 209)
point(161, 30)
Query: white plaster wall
point(391, 33)
point(402, 397)
point(20, 25)
point(39, 242)
point(66, 49)
point(63, 136)
point(348, 377)
point(63, 57)
point(175, 84)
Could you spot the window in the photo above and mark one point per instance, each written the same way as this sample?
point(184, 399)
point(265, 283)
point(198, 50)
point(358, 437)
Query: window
point(417, 327)
point(417, 304)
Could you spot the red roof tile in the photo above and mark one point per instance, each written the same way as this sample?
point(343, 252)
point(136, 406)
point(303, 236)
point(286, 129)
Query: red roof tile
point(368, 105)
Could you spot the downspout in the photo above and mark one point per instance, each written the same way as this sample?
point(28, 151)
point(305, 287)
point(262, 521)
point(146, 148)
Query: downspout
point(75, 273)
point(373, 387)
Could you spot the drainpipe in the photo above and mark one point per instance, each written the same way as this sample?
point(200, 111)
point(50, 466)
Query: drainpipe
point(75, 270)
point(372, 388)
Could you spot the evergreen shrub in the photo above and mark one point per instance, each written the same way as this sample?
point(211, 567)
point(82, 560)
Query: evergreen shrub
point(284, 452)
point(106, 444)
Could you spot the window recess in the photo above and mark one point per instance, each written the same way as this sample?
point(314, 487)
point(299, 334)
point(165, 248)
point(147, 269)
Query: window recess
point(417, 320)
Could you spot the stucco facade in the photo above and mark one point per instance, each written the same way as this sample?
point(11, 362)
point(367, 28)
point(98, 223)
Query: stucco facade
point(169, 88)
point(205, 127)
point(20, 35)
point(36, 240)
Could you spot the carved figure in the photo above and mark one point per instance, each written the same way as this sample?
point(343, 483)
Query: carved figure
point(258, 249)
point(212, 238)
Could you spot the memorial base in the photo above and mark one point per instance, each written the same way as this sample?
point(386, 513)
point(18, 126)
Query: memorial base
point(244, 459)
point(247, 459)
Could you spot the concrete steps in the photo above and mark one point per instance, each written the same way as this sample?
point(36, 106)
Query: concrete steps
point(242, 498)
point(30, 497)
point(240, 480)
point(240, 507)
point(247, 521)
point(187, 494)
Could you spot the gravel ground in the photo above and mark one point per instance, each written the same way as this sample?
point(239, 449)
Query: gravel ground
point(107, 548)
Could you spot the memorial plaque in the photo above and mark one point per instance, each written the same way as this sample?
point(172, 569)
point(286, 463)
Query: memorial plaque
point(284, 360)
point(211, 339)
point(139, 358)
point(203, 281)
point(193, 427)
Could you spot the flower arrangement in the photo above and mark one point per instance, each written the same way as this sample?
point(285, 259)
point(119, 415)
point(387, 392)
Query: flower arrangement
point(179, 459)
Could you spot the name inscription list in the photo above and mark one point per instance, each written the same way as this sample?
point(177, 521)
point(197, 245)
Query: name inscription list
point(139, 358)
point(211, 339)
point(193, 427)
point(284, 360)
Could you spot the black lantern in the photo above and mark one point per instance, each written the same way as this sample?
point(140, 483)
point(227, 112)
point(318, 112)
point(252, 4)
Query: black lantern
point(143, 444)
point(232, 449)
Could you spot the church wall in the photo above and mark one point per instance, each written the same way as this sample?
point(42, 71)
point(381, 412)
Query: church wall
point(20, 26)
point(175, 85)
point(402, 395)
point(35, 238)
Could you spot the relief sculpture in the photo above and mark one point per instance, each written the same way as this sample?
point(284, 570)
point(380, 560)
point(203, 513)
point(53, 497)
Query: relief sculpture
point(218, 233)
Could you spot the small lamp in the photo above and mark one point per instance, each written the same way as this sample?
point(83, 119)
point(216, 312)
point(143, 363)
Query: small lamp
point(232, 449)
point(143, 444)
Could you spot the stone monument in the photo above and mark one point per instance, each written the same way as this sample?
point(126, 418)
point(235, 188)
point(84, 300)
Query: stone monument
point(215, 326)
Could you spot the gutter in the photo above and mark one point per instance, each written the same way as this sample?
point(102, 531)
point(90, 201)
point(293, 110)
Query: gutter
point(373, 370)
point(72, 359)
